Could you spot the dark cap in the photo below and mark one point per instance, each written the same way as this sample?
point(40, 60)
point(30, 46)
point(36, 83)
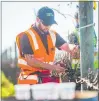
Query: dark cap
point(47, 16)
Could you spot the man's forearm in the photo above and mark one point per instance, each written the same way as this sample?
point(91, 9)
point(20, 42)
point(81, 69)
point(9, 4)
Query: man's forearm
point(39, 64)
point(67, 47)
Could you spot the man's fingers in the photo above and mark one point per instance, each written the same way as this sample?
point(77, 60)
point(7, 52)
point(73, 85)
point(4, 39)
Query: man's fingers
point(60, 69)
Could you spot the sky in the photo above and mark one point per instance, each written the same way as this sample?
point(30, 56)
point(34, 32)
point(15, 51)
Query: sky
point(19, 16)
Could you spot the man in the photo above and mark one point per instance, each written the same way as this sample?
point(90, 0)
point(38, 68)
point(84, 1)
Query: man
point(37, 50)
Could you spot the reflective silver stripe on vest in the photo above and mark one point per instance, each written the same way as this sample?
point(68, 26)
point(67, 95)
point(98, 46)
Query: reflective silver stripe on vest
point(34, 39)
point(28, 77)
point(21, 61)
point(51, 63)
point(53, 37)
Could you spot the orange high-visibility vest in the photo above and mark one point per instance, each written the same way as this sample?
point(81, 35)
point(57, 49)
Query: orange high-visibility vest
point(39, 52)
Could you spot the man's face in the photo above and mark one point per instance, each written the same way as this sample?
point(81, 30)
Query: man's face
point(42, 27)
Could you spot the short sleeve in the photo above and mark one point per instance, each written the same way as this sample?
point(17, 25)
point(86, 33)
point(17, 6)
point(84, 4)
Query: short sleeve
point(25, 45)
point(59, 41)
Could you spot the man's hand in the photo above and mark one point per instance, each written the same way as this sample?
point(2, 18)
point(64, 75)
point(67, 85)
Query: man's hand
point(58, 68)
point(72, 49)
point(75, 52)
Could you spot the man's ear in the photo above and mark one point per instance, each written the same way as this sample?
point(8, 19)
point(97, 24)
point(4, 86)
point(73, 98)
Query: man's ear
point(37, 19)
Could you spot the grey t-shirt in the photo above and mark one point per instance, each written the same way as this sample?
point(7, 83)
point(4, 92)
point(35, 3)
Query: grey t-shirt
point(25, 45)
